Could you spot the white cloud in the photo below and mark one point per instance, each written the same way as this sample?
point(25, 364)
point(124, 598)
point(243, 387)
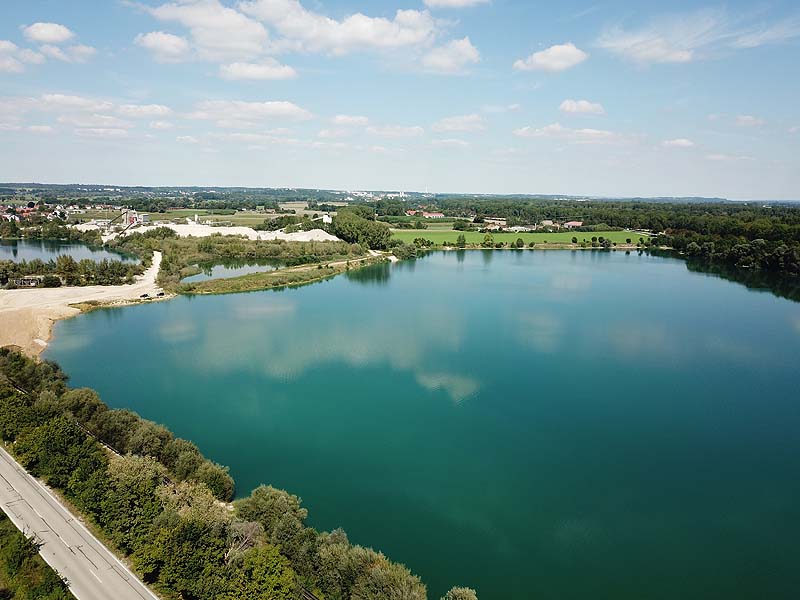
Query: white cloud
point(303, 29)
point(65, 102)
point(576, 136)
point(95, 121)
point(80, 53)
point(47, 33)
point(454, 3)
point(9, 64)
point(161, 125)
point(693, 36)
point(217, 32)
point(244, 113)
point(450, 143)
point(165, 47)
point(499, 108)
point(335, 133)
point(351, 120)
point(452, 58)
point(678, 143)
point(726, 157)
point(769, 34)
point(749, 121)
point(553, 59)
point(12, 57)
point(187, 139)
point(101, 132)
point(144, 110)
point(582, 107)
point(40, 129)
point(396, 131)
point(269, 68)
point(461, 123)
point(794, 130)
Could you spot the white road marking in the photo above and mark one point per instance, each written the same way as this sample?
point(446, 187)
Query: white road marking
point(95, 576)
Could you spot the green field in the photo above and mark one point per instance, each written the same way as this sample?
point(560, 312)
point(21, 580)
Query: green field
point(474, 237)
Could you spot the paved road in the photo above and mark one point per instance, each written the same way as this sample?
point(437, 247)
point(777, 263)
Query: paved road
point(92, 571)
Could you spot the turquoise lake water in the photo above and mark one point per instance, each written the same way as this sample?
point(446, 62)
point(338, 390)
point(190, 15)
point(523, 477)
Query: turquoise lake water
point(533, 424)
point(45, 250)
point(229, 270)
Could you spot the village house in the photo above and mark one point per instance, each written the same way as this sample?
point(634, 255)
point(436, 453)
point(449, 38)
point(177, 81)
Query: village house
point(573, 224)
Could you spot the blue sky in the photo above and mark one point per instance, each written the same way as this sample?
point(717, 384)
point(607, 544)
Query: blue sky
point(487, 96)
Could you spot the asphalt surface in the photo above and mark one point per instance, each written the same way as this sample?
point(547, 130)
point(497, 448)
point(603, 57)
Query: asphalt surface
point(91, 570)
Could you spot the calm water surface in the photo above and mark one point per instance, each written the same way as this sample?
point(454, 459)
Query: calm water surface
point(45, 250)
point(229, 270)
point(532, 424)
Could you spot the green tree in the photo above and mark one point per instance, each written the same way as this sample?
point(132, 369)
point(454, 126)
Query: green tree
point(460, 593)
point(488, 241)
point(264, 575)
point(461, 241)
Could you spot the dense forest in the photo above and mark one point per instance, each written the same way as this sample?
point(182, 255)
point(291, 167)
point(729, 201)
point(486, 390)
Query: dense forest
point(162, 504)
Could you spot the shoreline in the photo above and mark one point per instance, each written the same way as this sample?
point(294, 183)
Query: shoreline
point(27, 317)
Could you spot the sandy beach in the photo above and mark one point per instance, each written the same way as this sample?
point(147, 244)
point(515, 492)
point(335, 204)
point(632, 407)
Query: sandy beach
point(27, 316)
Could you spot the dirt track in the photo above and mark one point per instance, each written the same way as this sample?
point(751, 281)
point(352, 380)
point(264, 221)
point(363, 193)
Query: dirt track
point(27, 316)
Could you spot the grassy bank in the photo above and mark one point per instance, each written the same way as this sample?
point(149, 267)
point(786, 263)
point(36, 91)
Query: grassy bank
point(275, 279)
point(23, 573)
point(181, 256)
point(474, 237)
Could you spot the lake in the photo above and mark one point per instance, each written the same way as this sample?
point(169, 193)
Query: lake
point(45, 250)
point(533, 424)
point(230, 269)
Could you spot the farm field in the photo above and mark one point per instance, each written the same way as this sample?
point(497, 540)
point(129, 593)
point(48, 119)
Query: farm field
point(475, 237)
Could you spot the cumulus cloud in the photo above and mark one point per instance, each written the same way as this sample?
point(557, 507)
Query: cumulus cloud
point(452, 58)
point(396, 131)
point(161, 125)
point(351, 120)
point(693, 36)
point(555, 58)
point(678, 143)
point(749, 121)
point(144, 110)
point(237, 111)
point(44, 129)
point(454, 3)
point(303, 29)
point(13, 58)
point(165, 47)
point(582, 107)
point(577, 136)
point(463, 123)
point(47, 33)
point(217, 32)
point(269, 68)
point(187, 139)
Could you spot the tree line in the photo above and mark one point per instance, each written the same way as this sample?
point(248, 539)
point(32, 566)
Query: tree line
point(180, 256)
point(71, 272)
point(162, 504)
